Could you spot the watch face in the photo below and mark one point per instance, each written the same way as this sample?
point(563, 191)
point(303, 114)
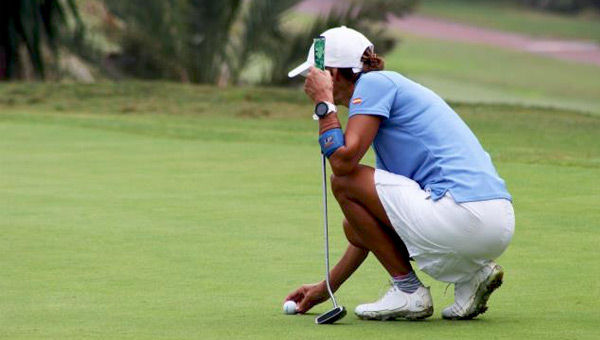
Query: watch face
point(321, 109)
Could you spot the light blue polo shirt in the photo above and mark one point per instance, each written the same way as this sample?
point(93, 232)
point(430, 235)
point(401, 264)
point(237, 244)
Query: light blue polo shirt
point(422, 138)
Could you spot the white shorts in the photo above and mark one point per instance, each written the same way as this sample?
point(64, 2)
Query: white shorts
point(447, 240)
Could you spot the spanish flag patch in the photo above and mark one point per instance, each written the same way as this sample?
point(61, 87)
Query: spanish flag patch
point(356, 101)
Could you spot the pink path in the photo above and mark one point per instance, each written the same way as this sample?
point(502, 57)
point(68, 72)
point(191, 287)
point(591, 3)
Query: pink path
point(574, 51)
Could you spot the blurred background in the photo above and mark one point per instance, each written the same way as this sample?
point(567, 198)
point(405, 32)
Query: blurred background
point(160, 178)
point(539, 52)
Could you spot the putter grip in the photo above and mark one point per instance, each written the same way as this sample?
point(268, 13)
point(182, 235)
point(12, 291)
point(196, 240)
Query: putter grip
point(319, 44)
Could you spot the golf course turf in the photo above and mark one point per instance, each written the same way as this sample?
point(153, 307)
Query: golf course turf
point(165, 211)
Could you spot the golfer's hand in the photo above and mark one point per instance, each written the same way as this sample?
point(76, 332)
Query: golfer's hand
point(308, 296)
point(319, 86)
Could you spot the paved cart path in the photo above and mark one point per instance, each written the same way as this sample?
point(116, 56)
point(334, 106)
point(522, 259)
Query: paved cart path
point(575, 51)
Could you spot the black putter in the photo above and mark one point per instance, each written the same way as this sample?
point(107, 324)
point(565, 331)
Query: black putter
point(337, 312)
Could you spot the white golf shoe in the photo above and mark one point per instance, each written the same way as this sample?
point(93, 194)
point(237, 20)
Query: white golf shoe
point(397, 304)
point(470, 298)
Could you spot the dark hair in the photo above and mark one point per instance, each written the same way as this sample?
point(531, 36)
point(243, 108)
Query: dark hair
point(371, 62)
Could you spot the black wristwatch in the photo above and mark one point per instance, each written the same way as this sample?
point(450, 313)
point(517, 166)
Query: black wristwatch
point(324, 108)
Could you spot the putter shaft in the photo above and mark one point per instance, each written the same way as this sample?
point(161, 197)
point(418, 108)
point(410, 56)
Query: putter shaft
point(326, 227)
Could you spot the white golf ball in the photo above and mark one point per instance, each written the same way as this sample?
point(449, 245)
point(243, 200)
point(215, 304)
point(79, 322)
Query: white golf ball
point(289, 307)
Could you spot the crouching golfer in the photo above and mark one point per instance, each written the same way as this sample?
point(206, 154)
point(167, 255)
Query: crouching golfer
point(434, 195)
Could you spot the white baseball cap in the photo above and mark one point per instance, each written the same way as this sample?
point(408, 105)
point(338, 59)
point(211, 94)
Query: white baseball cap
point(344, 48)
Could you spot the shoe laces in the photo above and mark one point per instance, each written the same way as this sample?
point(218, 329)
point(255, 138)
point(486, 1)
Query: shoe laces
point(456, 306)
point(446, 289)
point(387, 288)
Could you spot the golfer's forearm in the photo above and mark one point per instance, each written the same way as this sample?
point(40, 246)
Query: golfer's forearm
point(347, 265)
point(345, 159)
point(329, 122)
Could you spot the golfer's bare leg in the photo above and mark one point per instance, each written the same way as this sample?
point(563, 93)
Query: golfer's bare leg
point(367, 223)
point(356, 240)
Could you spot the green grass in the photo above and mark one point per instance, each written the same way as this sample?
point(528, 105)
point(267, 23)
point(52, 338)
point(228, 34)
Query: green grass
point(512, 18)
point(474, 73)
point(162, 211)
point(482, 74)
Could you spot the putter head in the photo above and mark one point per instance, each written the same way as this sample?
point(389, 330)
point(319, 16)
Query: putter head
point(331, 316)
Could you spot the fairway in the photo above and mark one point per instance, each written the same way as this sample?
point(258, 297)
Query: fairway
point(165, 211)
point(482, 74)
point(511, 17)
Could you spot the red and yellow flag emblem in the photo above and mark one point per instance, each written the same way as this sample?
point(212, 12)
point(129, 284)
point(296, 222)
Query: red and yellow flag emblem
point(356, 101)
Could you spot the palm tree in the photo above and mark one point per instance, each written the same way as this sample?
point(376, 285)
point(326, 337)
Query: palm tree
point(259, 29)
point(31, 24)
point(202, 41)
point(210, 25)
point(153, 38)
point(208, 41)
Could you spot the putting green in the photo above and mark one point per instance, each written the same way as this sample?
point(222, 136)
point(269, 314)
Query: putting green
point(180, 219)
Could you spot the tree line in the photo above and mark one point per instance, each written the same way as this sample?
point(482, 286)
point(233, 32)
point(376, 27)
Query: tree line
point(199, 41)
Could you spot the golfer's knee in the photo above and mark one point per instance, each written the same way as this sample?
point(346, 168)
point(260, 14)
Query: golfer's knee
point(339, 186)
point(348, 186)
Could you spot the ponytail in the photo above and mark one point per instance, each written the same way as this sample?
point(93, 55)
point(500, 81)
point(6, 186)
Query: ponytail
point(371, 61)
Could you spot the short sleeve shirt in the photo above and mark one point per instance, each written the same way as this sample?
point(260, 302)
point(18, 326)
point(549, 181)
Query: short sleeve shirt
point(421, 137)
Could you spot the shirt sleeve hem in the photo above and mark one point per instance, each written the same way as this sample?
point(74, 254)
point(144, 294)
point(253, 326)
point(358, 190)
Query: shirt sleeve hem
point(370, 113)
